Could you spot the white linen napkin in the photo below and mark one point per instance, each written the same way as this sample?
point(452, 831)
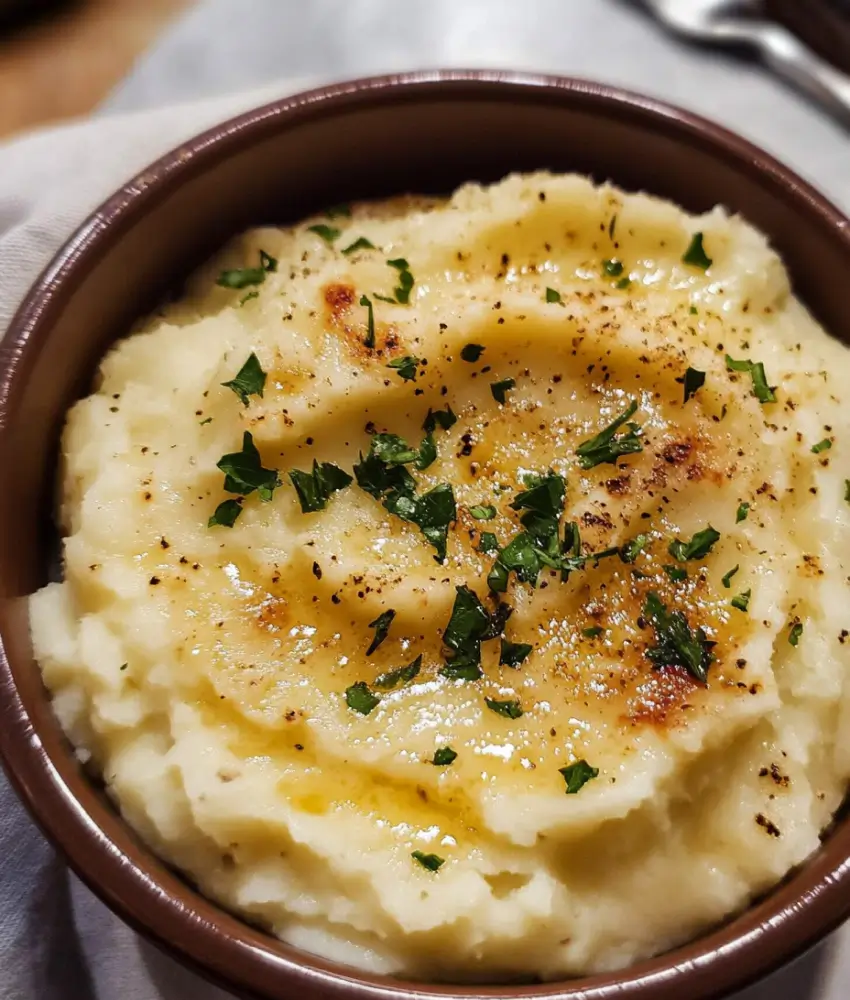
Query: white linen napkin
point(57, 942)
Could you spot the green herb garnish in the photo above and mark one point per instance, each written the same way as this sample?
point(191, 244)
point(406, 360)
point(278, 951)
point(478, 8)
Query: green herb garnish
point(443, 419)
point(697, 548)
point(631, 550)
point(727, 580)
point(501, 387)
point(824, 445)
point(741, 514)
point(470, 624)
point(369, 342)
point(444, 756)
point(483, 512)
point(361, 699)
point(742, 601)
point(378, 478)
point(405, 280)
point(244, 472)
point(359, 244)
point(693, 380)
point(433, 512)
point(225, 514)
point(552, 295)
point(677, 645)
point(676, 573)
point(242, 277)
point(592, 632)
point(427, 452)
point(433, 862)
point(695, 255)
point(613, 268)
point(406, 367)
point(795, 633)
point(315, 488)
point(510, 709)
point(577, 775)
point(250, 380)
point(381, 625)
point(512, 654)
point(253, 294)
point(761, 390)
point(488, 542)
point(403, 675)
point(606, 447)
point(328, 233)
point(471, 352)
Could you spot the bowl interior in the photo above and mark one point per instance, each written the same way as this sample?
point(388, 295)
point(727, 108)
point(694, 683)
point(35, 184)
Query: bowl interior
point(277, 165)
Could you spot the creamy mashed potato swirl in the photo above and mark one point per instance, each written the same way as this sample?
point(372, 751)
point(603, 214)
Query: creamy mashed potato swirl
point(640, 443)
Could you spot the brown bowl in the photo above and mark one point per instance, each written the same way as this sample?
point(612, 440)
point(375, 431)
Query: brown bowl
point(371, 138)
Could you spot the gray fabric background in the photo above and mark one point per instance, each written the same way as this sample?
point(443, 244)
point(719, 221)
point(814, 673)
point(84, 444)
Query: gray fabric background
point(56, 941)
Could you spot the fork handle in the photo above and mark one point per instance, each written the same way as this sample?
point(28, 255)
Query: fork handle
point(789, 57)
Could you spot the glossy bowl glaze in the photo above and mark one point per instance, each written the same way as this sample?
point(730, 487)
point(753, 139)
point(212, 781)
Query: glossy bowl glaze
point(370, 138)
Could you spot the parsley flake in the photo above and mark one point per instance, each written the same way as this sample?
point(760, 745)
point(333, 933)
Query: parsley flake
point(242, 277)
point(250, 380)
point(444, 419)
point(405, 280)
point(552, 295)
point(727, 580)
point(607, 447)
point(510, 709)
point(488, 542)
point(795, 633)
point(695, 255)
point(577, 775)
point(613, 268)
point(693, 381)
point(360, 698)
point(359, 244)
point(761, 390)
point(369, 342)
point(406, 367)
point(403, 675)
point(433, 512)
point(631, 550)
point(592, 632)
point(675, 573)
point(483, 512)
point(470, 624)
point(471, 352)
point(444, 756)
point(742, 601)
point(501, 387)
point(244, 472)
point(824, 445)
point(433, 862)
point(381, 625)
point(512, 654)
point(225, 514)
point(314, 488)
point(742, 512)
point(697, 548)
point(328, 233)
point(677, 645)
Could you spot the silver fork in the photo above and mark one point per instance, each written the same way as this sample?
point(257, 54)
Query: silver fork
point(731, 22)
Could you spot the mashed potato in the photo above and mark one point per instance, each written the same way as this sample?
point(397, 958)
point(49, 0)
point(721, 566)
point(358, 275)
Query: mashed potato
point(614, 415)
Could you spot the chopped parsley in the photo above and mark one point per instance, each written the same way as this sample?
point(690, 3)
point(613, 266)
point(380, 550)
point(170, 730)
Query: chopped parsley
point(693, 381)
point(677, 645)
point(483, 512)
point(405, 280)
point(761, 390)
point(314, 488)
point(444, 756)
point(328, 233)
point(393, 450)
point(359, 244)
point(360, 698)
point(592, 632)
point(623, 283)
point(695, 255)
point(242, 277)
point(631, 550)
point(406, 367)
point(381, 625)
point(403, 675)
point(552, 295)
point(470, 624)
point(444, 419)
point(824, 445)
point(488, 542)
point(501, 387)
point(742, 512)
point(612, 225)
point(471, 352)
point(432, 512)
point(510, 708)
point(244, 472)
point(742, 601)
point(607, 447)
point(512, 654)
point(697, 548)
point(727, 580)
point(250, 380)
point(225, 514)
point(613, 268)
point(377, 477)
point(427, 452)
point(676, 573)
point(253, 294)
point(577, 775)
point(370, 322)
point(795, 633)
point(433, 862)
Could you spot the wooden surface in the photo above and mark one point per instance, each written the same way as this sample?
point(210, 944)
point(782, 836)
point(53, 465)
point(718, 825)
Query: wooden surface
point(64, 65)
